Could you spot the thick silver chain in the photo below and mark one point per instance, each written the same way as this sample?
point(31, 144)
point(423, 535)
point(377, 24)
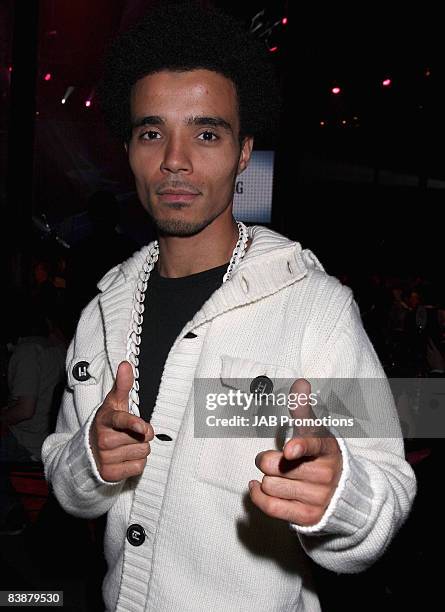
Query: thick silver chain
point(137, 314)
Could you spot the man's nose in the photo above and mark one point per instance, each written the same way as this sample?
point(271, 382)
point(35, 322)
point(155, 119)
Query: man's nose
point(176, 157)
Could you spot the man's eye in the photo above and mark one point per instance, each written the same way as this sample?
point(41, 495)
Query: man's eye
point(209, 136)
point(148, 135)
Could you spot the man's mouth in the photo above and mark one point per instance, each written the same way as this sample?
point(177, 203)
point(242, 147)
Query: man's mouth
point(178, 197)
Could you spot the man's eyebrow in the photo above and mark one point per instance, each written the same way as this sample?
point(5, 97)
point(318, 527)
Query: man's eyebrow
point(151, 120)
point(214, 121)
point(198, 120)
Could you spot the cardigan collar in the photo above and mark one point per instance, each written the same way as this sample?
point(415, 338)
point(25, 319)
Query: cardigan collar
point(271, 263)
point(265, 244)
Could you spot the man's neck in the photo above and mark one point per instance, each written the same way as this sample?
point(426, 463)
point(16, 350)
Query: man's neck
point(182, 256)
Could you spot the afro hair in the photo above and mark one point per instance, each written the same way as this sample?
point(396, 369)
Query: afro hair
point(180, 37)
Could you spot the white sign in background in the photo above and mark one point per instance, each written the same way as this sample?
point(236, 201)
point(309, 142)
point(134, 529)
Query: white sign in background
point(253, 191)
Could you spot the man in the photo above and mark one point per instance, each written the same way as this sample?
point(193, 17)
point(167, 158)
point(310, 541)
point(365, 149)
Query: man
point(36, 377)
point(187, 91)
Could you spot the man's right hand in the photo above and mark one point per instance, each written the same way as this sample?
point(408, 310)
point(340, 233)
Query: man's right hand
point(120, 440)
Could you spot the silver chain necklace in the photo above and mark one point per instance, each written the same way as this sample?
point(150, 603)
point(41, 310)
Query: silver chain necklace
point(137, 316)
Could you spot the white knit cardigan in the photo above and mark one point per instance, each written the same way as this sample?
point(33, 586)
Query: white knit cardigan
point(207, 547)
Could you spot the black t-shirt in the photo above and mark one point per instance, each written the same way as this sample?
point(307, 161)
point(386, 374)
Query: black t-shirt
point(169, 304)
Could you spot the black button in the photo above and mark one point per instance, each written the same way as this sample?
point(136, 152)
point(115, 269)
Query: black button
point(136, 535)
point(190, 335)
point(164, 437)
point(80, 371)
point(261, 384)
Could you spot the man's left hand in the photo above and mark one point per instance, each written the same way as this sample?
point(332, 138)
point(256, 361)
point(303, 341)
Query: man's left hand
point(299, 482)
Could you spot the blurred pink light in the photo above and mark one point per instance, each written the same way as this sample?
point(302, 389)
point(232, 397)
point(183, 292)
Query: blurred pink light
point(47, 76)
point(336, 90)
point(273, 49)
point(88, 103)
point(386, 82)
point(284, 21)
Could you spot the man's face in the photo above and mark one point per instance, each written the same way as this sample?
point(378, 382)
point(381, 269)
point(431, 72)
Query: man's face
point(185, 140)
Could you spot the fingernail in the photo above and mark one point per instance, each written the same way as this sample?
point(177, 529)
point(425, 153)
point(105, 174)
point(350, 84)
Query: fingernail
point(139, 428)
point(295, 451)
point(251, 484)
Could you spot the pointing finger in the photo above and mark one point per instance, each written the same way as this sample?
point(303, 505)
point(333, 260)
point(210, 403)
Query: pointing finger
point(120, 420)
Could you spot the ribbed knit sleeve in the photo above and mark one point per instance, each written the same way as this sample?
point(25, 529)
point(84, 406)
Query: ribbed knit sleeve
point(377, 486)
point(66, 454)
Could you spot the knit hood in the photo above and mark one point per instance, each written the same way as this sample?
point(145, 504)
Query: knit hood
point(266, 243)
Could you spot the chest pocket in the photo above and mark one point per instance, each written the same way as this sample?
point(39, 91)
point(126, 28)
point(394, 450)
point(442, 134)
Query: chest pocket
point(228, 461)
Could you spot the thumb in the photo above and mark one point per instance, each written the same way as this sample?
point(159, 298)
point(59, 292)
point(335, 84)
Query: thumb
point(300, 411)
point(307, 435)
point(122, 385)
point(300, 407)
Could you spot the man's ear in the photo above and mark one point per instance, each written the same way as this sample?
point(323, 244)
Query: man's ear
point(246, 152)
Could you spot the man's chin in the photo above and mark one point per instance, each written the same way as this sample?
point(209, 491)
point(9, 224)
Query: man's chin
point(178, 227)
